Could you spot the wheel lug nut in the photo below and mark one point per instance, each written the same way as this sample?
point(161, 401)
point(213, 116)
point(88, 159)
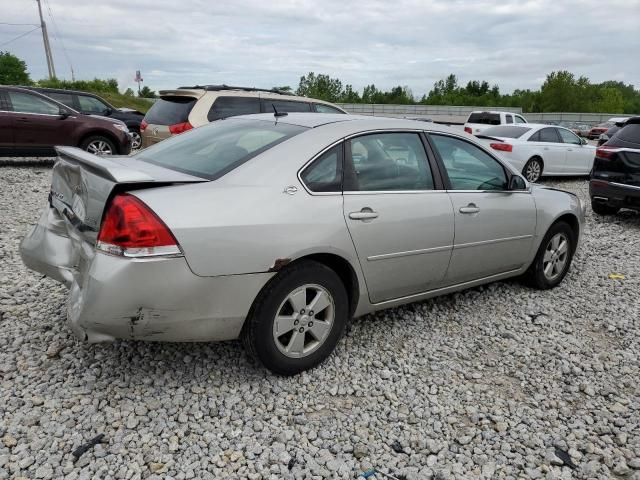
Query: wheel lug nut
point(296, 322)
point(310, 324)
point(301, 329)
point(310, 312)
point(302, 311)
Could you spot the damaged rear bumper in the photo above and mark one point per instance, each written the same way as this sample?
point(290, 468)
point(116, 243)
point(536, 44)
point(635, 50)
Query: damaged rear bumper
point(154, 299)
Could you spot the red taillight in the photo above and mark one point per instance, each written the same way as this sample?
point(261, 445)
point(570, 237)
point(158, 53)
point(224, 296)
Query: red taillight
point(143, 126)
point(468, 129)
point(180, 127)
point(605, 153)
point(131, 229)
point(503, 147)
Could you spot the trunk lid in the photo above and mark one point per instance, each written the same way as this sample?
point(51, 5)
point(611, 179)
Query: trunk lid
point(81, 186)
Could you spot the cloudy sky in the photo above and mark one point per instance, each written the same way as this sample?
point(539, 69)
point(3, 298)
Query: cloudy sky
point(263, 43)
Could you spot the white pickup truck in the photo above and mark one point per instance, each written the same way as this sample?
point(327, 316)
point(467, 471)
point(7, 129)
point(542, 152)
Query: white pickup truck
point(479, 121)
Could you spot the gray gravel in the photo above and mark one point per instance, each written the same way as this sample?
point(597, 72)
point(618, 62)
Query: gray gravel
point(495, 382)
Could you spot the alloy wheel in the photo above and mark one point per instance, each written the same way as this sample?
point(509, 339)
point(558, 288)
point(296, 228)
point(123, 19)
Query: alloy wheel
point(303, 321)
point(99, 147)
point(556, 256)
point(532, 171)
point(136, 140)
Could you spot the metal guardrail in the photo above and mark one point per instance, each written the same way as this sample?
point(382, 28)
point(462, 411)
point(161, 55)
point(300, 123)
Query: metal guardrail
point(459, 114)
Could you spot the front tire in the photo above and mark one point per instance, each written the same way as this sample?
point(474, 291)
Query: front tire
point(532, 171)
point(554, 257)
point(603, 208)
point(136, 139)
point(98, 145)
point(297, 319)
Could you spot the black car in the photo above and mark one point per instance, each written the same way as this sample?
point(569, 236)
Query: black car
point(615, 177)
point(604, 137)
point(91, 104)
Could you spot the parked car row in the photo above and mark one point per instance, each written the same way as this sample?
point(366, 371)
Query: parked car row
point(32, 123)
point(308, 236)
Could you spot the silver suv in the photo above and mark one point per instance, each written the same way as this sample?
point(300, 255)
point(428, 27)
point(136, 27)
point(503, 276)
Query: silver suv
point(188, 107)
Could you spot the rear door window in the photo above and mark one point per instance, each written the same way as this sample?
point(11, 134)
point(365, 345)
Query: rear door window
point(170, 110)
point(545, 135)
point(225, 107)
point(65, 98)
point(505, 131)
point(389, 161)
point(485, 118)
point(509, 119)
point(519, 119)
point(284, 105)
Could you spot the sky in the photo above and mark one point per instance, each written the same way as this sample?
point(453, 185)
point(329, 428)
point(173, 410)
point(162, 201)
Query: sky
point(262, 43)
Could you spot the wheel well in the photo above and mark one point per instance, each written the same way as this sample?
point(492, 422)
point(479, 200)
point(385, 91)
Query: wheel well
point(572, 221)
point(344, 270)
point(537, 157)
point(100, 133)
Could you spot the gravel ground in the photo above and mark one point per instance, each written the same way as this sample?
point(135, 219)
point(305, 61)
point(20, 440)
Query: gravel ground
point(496, 382)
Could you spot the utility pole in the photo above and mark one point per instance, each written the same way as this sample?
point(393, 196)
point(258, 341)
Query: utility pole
point(47, 47)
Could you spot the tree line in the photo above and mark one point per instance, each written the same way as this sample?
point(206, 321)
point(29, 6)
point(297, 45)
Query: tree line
point(561, 91)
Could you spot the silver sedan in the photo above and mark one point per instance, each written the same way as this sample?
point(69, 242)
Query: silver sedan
point(279, 229)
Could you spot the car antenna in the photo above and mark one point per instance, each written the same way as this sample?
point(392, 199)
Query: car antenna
point(276, 113)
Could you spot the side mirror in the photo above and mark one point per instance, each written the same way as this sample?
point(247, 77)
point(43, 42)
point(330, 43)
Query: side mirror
point(516, 182)
point(64, 113)
point(583, 141)
point(108, 112)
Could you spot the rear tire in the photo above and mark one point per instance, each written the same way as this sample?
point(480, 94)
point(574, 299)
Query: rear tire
point(99, 145)
point(283, 332)
point(554, 257)
point(532, 171)
point(136, 139)
point(603, 209)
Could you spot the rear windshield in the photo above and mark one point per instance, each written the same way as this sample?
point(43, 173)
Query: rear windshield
point(508, 132)
point(484, 118)
point(215, 149)
point(630, 133)
point(170, 110)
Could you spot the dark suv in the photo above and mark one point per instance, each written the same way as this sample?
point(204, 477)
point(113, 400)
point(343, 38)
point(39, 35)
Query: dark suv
point(91, 104)
point(32, 123)
point(615, 177)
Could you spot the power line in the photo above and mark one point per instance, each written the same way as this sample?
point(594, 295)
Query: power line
point(20, 24)
point(19, 36)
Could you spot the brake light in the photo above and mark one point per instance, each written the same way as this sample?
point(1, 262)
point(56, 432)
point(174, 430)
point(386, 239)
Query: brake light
point(180, 127)
point(468, 129)
point(605, 153)
point(131, 229)
point(503, 147)
point(143, 126)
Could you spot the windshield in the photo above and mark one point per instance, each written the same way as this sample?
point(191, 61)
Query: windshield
point(508, 132)
point(215, 149)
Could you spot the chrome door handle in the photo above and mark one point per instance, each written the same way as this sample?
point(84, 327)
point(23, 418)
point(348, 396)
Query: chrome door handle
point(364, 214)
point(471, 208)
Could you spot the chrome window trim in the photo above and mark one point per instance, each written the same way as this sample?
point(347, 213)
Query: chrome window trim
point(615, 184)
point(31, 113)
point(307, 164)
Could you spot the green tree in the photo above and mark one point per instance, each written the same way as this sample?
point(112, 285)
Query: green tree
point(610, 100)
point(320, 86)
point(146, 92)
point(13, 71)
point(285, 89)
point(559, 92)
point(129, 93)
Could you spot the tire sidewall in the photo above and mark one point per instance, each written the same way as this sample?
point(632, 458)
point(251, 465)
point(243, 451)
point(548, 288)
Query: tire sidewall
point(263, 317)
point(538, 266)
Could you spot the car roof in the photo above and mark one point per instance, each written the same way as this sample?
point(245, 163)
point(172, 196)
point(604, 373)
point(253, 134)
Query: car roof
point(354, 122)
point(496, 111)
point(61, 90)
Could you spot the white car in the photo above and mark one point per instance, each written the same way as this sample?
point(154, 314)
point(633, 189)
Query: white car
point(537, 150)
point(479, 121)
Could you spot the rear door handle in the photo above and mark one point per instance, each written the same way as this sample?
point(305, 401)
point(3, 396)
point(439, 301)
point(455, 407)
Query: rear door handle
point(364, 214)
point(471, 208)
